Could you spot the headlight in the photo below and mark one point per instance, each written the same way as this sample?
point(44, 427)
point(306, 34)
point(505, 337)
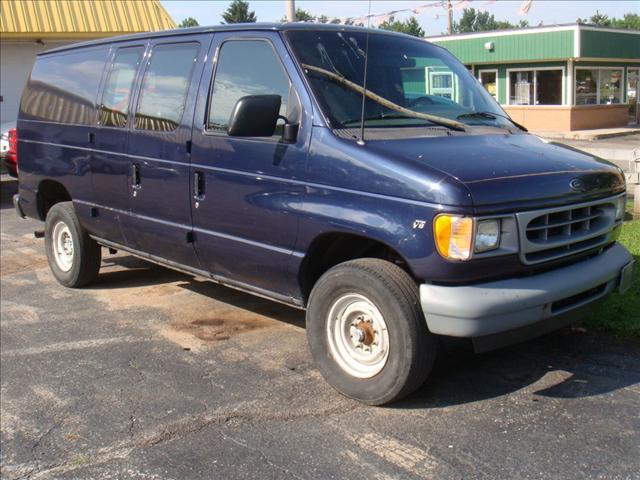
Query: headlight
point(620, 207)
point(455, 238)
point(487, 235)
point(453, 235)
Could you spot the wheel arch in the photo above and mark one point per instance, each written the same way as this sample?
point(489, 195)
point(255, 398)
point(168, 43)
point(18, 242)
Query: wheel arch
point(332, 248)
point(50, 192)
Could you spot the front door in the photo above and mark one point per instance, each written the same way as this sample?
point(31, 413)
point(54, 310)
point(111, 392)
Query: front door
point(489, 80)
point(159, 146)
point(250, 189)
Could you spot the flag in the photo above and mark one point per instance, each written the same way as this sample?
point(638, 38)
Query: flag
point(378, 20)
point(460, 4)
point(525, 6)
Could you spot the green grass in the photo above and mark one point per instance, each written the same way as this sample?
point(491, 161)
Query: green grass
point(79, 460)
point(620, 314)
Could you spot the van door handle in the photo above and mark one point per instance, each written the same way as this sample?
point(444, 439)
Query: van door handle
point(198, 185)
point(135, 176)
point(92, 137)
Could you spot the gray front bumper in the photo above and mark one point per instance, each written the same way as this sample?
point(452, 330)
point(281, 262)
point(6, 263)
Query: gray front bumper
point(501, 306)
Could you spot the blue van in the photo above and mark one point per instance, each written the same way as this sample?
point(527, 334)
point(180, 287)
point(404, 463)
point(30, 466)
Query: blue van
point(362, 175)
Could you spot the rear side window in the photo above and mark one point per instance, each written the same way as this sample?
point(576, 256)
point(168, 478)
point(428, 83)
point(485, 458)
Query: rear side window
point(63, 87)
point(114, 107)
point(165, 86)
point(245, 67)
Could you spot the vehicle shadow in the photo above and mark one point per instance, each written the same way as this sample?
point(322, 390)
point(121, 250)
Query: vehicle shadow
point(8, 188)
point(578, 364)
point(139, 273)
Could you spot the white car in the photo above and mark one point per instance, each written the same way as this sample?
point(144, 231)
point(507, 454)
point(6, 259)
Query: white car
point(4, 136)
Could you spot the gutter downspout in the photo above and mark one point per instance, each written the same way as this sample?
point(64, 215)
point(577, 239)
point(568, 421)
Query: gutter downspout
point(570, 83)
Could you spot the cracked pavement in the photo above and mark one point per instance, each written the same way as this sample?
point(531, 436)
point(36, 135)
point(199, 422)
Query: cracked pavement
point(153, 374)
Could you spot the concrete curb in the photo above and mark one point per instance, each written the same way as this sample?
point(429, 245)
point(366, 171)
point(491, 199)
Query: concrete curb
point(589, 135)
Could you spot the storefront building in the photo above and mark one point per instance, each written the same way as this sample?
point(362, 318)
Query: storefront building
point(28, 27)
point(566, 77)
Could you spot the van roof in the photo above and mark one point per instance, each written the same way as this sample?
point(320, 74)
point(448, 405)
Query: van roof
point(239, 27)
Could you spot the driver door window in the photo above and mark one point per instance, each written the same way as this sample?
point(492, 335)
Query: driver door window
point(248, 67)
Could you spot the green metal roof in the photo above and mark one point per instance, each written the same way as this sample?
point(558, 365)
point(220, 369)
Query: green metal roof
point(543, 44)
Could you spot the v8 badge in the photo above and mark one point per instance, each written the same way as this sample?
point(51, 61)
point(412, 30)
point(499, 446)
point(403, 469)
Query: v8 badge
point(419, 224)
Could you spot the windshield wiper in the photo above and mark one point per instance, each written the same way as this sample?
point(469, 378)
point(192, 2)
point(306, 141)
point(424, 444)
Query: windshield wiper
point(491, 115)
point(443, 121)
point(381, 116)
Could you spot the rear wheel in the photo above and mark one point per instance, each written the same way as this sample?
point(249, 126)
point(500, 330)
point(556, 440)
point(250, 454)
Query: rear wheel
point(367, 333)
point(73, 256)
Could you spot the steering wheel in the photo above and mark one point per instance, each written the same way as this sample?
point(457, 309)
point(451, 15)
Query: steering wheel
point(423, 100)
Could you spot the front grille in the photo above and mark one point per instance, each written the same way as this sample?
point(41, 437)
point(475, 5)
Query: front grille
point(558, 232)
point(577, 300)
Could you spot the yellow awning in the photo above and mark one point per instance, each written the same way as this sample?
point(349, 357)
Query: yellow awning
point(80, 18)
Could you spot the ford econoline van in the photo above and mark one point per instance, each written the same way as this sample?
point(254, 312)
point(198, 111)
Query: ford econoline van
point(362, 175)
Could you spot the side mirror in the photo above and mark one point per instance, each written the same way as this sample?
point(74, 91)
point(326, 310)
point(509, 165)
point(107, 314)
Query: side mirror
point(257, 116)
point(254, 116)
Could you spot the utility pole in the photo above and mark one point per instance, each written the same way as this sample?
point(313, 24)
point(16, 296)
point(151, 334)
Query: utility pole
point(449, 17)
point(290, 8)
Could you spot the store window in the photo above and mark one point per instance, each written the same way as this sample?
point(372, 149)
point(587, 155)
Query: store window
point(549, 87)
point(610, 86)
point(535, 87)
point(521, 88)
point(598, 86)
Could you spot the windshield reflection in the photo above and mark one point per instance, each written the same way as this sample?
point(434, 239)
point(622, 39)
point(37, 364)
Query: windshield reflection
point(412, 82)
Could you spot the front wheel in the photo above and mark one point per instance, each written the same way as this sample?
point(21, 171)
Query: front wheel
point(73, 256)
point(367, 333)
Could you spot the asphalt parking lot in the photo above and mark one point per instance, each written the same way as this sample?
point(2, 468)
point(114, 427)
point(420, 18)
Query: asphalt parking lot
point(152, 374)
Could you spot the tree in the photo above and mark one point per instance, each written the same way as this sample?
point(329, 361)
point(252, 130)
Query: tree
point(630, 21)
point(409, 26)
point(599, 19)
point(238, 12)
point(303, 16)
point(188, 22)
point(473, 20)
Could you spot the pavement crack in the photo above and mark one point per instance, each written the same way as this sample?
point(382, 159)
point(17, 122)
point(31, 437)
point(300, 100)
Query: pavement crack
point(195, 424)
point(132, 419)
point(263, 456)
point(172, 431)
point(46, 434)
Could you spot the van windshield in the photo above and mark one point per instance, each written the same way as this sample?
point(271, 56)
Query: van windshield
point(409, 82)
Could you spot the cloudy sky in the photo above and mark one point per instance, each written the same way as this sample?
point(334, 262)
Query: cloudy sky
point(433, 21)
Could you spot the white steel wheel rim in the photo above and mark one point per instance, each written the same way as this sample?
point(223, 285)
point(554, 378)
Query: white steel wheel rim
point(358, 336)
point(62, 246)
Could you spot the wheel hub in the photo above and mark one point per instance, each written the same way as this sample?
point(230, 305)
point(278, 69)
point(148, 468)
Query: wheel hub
point(357, 336)
point(62, 243)
point(364, 332)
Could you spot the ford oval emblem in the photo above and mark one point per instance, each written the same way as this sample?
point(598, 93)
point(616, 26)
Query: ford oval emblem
point(577, 185)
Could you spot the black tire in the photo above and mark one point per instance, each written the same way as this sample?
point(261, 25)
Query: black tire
point(412, 348)
point(87, 254)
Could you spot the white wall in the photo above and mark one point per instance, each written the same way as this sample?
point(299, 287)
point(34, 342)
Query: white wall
point(16, 60)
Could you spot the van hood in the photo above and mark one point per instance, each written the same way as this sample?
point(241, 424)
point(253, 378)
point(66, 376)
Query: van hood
point(511, 170)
